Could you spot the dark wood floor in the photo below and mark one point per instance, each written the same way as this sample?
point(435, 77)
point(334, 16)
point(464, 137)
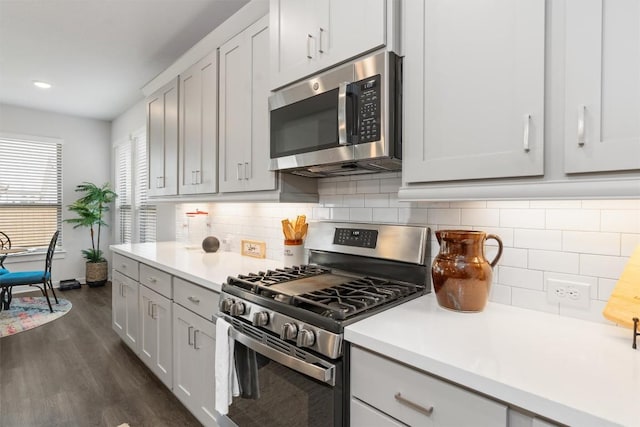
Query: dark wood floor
point(75, 371)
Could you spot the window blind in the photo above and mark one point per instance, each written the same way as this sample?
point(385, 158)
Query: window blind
point(30, 190)
point(136, 217)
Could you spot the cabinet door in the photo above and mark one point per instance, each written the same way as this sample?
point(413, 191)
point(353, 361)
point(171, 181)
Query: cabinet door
point(118, 303)
point(162, 140)
point(155, 334)
point(244, 112)
point(602, 77)
point(185, 374)
point(194, 363)
point(294, 38)
point(204, 345)
point(473, 89)
point(130, 290)
point(198, 128)
point(352, 27)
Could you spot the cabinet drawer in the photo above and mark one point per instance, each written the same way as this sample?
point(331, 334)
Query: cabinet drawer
point(200, 300)
point(395, 389)
point(126, 266)
point(363, 415)
point(155, 279)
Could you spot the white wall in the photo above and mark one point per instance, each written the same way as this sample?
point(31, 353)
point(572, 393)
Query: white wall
point(586, 241)
point(86, 156)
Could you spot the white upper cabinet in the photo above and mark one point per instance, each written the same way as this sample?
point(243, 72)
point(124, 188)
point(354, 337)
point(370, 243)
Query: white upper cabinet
point(310, 35)
point(473, 89)
point(162, 140)
point(198, 170)
point(602, 92)
point(244, 111)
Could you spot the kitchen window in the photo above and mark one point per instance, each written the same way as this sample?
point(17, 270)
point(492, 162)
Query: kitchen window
point(135, 217)
point(30, 189)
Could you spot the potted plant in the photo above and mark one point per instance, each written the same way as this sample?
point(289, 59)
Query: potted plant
point(90, 209)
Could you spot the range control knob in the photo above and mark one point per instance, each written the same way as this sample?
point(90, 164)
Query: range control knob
point(260, 318)
point(306, 338)
point(289, 331)
point(225, 305)
point(237, 309)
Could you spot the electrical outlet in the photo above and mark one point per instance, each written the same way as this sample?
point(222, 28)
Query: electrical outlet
point(568, 293)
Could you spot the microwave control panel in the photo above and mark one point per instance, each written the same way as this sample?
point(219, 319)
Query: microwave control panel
point(369, 109)
point(359, 238)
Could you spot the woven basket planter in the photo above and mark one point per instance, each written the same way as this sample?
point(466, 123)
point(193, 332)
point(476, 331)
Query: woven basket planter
point(96, 273)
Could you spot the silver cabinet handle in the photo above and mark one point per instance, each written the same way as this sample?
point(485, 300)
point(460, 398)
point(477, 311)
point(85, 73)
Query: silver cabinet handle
point(419, 408)
point(194, 300)
point(342, 114)
point(149, 312)
point(581, 125)
point(189, 335)
point(122, 286)
point(309, 37)
point(160, 182)
point(152, 279)
point(198, 176)
point(195, 339)
point(247, 171)
point(193, 177)
point(527, 123)
point(154, 312)
point(238, 175)
point(320, 49)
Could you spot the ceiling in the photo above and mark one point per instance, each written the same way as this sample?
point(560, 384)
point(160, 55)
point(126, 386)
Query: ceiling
point(97, 54)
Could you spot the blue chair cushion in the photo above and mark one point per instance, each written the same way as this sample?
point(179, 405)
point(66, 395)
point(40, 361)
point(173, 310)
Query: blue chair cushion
point(3, 271)
point(23, 278)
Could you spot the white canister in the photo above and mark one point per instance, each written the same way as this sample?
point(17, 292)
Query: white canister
point(293, 253)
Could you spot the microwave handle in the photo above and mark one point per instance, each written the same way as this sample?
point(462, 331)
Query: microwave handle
point(342, 114)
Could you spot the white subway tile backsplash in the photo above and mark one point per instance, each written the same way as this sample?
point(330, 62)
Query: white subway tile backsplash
point(623, 221)
point(346, 187)
point(368, 186)
point(521, 277)
point(538, 239)
point(376, 200)
point(605, 287)
point(512, 257)
point(609, 267)
point(387, 215)
point(562, 262)
point(555, 204)
point(573, 219)
point(500, 294)
point(534, 300)
point(390, 185)
point(522, 218)
point(591, 242)
point(587, 241)
point(361, 214)
point(443, 216)
point(629, 243)
point(480, 217)
point(354, 201)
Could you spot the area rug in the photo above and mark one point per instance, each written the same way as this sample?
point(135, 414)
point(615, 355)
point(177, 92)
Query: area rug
point(30, 312)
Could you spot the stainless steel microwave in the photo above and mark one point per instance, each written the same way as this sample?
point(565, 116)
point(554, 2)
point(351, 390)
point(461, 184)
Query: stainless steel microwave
point(344, 121)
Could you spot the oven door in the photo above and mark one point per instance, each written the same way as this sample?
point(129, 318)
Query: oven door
point(302, 391)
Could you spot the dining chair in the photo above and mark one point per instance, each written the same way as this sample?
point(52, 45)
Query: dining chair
point(5, 243)
point(38, 278)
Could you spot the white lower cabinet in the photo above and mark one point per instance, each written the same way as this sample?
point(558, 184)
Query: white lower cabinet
point(156, 345)
point(124, 306)
point(194, 363)
point(413, 397)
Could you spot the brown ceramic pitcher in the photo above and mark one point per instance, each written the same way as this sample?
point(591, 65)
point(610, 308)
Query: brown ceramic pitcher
point(461, 274)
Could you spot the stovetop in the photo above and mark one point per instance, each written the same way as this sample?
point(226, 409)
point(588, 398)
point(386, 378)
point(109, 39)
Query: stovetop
point(318, 290)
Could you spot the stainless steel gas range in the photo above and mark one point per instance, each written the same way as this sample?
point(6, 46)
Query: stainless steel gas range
point(288, 323)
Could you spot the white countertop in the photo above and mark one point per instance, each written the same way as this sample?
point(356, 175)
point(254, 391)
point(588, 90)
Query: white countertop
point(209, 270)
point(576, 372)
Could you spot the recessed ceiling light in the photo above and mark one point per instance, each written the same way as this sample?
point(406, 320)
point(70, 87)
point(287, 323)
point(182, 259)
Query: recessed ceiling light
point(41, 85)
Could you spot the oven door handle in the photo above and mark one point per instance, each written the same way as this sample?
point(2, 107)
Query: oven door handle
point(325, 373)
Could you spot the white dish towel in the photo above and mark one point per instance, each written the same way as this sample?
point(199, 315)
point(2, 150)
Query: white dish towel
point(226, 376)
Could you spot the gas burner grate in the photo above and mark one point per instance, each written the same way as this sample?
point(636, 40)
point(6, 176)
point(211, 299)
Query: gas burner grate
point(257, 282)
point(346, 300)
